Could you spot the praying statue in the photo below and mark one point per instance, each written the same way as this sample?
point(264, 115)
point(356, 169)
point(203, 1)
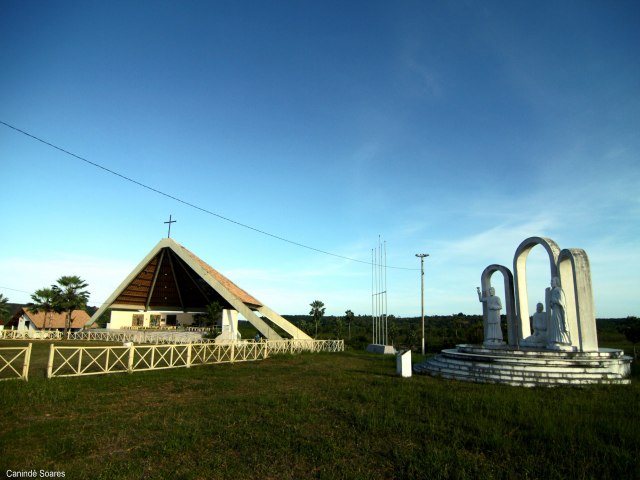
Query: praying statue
point(558, 334)
point(539, 337)
point(493, 333)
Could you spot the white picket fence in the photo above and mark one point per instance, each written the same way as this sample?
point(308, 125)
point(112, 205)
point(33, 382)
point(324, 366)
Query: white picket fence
point(14, 362)
point(169, 338)
point(30, 335)
point(298, 346)
point(151, 337)
point(138, 336)
point(78, 361)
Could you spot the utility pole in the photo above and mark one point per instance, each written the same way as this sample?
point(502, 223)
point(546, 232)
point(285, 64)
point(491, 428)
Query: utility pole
point(421, 256)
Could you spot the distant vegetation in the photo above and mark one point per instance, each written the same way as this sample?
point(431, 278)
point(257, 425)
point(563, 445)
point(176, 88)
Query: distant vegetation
point(441, 331)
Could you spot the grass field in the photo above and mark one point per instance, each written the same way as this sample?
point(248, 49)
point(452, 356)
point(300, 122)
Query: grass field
point(341, 415)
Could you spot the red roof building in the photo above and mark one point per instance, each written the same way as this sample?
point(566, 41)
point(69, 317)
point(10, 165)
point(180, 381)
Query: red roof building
point(28, 320)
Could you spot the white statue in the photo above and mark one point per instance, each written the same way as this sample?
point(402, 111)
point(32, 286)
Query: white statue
point(558, 334)
point(539, 337)
point(493, 335)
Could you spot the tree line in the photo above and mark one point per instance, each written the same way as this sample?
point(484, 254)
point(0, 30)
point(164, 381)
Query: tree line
point(441, 331)
point(356, 330)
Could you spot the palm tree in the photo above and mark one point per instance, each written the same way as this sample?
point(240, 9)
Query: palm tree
point(43, 300)
point(317, 312)
point(4, 307)
point(70, 295)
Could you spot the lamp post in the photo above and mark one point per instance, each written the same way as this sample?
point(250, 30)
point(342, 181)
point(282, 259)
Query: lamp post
point(421, 256)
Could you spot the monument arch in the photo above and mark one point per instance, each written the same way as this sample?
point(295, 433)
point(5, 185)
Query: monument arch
point(520, 272)
point(575, 278)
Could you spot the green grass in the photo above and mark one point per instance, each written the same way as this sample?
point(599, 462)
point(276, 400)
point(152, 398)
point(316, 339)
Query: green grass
point(314, 416)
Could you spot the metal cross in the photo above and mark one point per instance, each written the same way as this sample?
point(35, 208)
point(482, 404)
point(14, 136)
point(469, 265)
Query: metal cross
point(170, 222)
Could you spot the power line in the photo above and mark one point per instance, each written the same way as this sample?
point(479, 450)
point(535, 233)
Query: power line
point(184, 202)
point(30, 293)
point(15, 290)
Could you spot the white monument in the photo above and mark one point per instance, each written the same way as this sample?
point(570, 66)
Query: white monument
point(493, 329)
point(563, 348)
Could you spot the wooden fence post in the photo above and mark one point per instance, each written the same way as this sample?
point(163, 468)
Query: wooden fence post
point(52, 352)
point(81, 349)
point(189, 355)
point(130, 361)
point(233, 352)
point(25, 365)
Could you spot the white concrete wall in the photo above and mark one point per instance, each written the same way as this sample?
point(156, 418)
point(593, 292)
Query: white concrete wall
point(229, 326)
point(124, 318)
point(24, 324)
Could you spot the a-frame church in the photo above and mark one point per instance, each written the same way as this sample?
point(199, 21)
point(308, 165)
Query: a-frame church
point(172, 279)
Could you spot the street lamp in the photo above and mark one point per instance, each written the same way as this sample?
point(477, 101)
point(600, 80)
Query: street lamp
point(421, 256)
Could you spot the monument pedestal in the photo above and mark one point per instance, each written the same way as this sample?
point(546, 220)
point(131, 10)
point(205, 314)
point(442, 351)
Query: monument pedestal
point(528, 367)
point(384, 349)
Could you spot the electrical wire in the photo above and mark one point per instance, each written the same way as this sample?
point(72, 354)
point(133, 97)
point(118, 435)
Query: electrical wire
point(14, 290)
point(184, 202)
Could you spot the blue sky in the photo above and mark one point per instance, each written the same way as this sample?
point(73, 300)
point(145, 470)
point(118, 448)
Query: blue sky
point(453, 128)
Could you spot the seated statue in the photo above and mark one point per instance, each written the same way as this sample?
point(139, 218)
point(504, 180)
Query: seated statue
point(539, 337)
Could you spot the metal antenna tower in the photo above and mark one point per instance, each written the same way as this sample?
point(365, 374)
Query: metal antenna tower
point(379, 294)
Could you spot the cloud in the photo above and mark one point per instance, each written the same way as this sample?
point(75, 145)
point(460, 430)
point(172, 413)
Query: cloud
point(498, 242)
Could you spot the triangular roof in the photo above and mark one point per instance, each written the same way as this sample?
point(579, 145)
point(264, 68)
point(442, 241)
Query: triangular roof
point(169, 281)
point(171, 277)
point(51, 319)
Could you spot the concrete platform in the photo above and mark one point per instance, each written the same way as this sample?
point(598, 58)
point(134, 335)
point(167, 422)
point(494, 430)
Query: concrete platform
point(383, 349)
point(528, 367)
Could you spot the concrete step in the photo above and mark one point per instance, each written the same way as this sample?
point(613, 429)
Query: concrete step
point(498, 373)
point(605, 353)
point(559, 367)
point(529, 368)
point(528, 382)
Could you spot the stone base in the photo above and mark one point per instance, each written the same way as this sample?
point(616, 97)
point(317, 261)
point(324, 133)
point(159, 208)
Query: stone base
point(384, 349)
point(559, 347)
point(494, 344)
point(529, 367)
